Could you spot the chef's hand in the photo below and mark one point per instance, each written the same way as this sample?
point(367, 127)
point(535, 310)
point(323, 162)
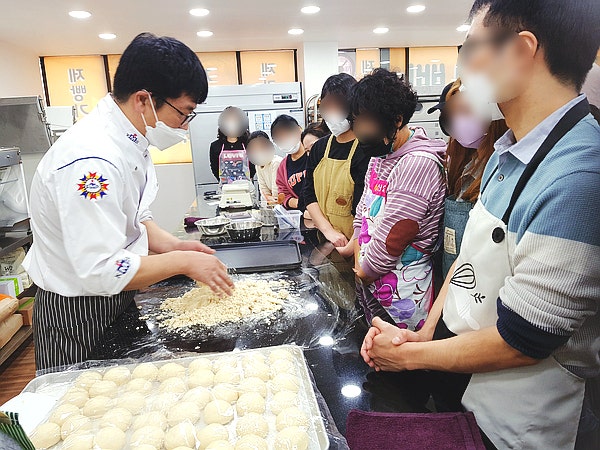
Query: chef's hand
point(210, 271)
point(194, 246)
point(336, 238)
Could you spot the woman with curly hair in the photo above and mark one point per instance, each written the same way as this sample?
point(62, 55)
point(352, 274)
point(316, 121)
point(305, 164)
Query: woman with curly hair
point(398, 218)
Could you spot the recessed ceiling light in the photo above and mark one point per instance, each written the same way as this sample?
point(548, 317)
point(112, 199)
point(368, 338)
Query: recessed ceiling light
point(415, 9)
point(463, 28)
point(80, 14)
point(310, 9)
point(107, 36)
point(204, 33)
point(381, 30)
point(199, 12)
point(295, 31)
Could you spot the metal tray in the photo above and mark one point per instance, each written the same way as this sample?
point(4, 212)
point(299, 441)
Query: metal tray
point(260, 256)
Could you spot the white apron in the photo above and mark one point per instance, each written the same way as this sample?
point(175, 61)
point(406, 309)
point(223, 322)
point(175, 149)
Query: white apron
point(535, 407)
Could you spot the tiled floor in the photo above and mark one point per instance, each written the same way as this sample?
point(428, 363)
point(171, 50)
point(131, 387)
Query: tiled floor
point(17, 372)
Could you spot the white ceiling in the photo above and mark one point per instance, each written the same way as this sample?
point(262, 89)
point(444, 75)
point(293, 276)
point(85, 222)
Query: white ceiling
point(44, 26)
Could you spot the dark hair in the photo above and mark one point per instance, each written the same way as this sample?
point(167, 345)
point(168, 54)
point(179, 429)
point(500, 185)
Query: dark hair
point(317, 129)
point(258, 134)
point(385, 96)
point(567, 31)
point(164, 66)
point(284, 121)
point(339, 85)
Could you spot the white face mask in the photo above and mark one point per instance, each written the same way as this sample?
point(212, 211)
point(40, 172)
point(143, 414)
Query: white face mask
point(262, 157)
point(161, 135)
point(289, 147)
point(481, 95)
point(337, 124)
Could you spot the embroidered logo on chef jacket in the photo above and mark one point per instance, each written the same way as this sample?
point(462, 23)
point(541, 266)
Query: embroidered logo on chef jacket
point(133, 137)
point(123, 266)
point(92, 186)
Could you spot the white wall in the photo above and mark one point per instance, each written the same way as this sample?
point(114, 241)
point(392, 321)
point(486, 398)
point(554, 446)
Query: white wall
point(317, 61)
point(175, 196)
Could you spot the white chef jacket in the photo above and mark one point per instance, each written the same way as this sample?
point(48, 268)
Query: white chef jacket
point(90, 195)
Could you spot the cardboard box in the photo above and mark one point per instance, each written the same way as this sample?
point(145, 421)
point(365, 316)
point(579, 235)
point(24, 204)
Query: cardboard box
point(26, 310)
point(9, 328)
point(8, 306)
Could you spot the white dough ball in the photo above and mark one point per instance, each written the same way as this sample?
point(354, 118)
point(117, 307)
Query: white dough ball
point(170, 370)
point(252, 423)
point(147, 371)
point(182, 434)
point(227, 392)
point(163, 401)
point(282, 366)
point(282, 400)
point(149, 435)
point(253, 384)
point(120, 375)
point(253, 357)
point(78, 441)
point(285, 382)
point(106, 388)
point(182, 412)
point(76, 398)
point(74, 423)
point(218, 411)
point(144, 447)
point(228, 375)
point(250, 402)
point(173, 385)
point(153, 419)
point(87, 379)
point(251, 442)
point(280, 353)
point(97, 406)
point(139, 385)
point(291, 417)
point(210, 433)
point(220, 445)
point(292, 438)
point(200, 363)
point(109, 438)
point(117, 417)
point(257, 369)
point(46, 435)
point(134, 402)
point(198, 395)
point(201, 377)
point(225, 361)
point(183, 448)
point(61, 412)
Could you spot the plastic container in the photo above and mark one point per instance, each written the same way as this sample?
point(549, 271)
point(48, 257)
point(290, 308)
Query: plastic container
point(289, 219)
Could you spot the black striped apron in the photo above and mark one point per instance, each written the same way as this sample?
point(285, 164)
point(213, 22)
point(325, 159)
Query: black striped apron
point(70, 330)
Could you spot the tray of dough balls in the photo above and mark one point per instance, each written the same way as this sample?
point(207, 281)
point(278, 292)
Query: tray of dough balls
point(245, 400)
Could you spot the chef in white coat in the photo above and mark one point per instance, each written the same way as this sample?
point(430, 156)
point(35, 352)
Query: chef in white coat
point(90, 199)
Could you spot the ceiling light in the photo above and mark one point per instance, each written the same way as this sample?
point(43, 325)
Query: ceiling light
point(199, 12)
point(310, 9)
point(107, 36)
point(211, 69)
point(204, 33)
point(381, 30)
point(415, 9)
point(80, 14)
point(351, 391)
point(295, 31)
point(463, 28)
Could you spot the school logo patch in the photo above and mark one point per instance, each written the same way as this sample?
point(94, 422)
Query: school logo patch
point(123, 266)
point(92, 186)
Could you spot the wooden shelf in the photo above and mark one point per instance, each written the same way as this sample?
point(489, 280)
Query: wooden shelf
point(15, 343)
point(8, 244)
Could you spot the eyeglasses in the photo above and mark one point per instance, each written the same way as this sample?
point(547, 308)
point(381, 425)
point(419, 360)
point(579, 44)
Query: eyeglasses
point(188, 117)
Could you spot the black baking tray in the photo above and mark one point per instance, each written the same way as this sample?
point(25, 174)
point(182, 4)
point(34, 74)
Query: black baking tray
point(252, 257)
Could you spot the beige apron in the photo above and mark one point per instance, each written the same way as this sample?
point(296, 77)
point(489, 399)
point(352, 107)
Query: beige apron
point(334, 188)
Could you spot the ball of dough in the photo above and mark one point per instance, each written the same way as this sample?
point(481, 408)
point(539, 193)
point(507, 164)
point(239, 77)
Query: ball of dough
point(163, 401)
point(285, 382)
point(148, 435)
point(46, 435)
point(210, 433)
point(87, 379)
point(253, 357)
point(282, 366)
point(120, 375)
point(74, 423)
point(97, 406)
point(144, 447)
point(226, 361)
point(292, 438)
point(201, 377)
point(291, 417)
point(282, 400)
point(226, 392)
point(147, 371)
point(61, 412)
point(280, 353)
point(153, 419)
point(257, 369)
point(182, 434)
point(198, 395)
point(139, 385)
point(78, 441)
point(218, 411)
point(133, 402)
point(106, 388)
point(182, 412)
point(171, 370)
point(251, 442)
point(252, 423)
point(117, 417)
point(253, 384)
point(109, 438)
point(173, 385)
point(227, 375)
point(220, 445)
point(250, 402)
point(76, 398)
point(200, 363)
point(183, 448)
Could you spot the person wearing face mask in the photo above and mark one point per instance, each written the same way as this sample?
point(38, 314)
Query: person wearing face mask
point(232, 135)
point(90, 207)
point(521, 304)
point(286, 134)
point(471, 145)
point(312, 133)
point(398, 217)
point(261, 153)
point(335, 173)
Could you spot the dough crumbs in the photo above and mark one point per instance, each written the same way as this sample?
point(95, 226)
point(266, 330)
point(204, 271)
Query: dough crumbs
point(200, 306)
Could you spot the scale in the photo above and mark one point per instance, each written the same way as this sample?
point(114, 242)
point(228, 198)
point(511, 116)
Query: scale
point(236, 196)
